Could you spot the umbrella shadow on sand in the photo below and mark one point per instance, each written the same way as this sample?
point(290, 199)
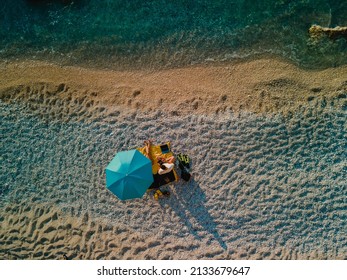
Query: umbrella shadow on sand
point(189, 205)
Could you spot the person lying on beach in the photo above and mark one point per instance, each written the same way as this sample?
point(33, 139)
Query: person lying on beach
point(166, 165)
point(163, 162)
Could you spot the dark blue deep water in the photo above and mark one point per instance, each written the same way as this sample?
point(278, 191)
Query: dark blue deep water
point(167, 33)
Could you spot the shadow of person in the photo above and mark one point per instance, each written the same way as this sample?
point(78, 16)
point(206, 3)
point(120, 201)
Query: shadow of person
point(189, 204)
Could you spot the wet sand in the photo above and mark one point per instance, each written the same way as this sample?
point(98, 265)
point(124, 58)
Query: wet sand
point(260, 86)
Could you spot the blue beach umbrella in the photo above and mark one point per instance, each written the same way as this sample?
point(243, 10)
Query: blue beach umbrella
point(129, 174)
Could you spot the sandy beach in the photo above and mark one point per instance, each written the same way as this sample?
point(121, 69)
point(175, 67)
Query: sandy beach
point(267, 141)
point(261, 86)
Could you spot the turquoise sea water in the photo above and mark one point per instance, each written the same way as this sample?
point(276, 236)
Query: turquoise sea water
point(163, 33)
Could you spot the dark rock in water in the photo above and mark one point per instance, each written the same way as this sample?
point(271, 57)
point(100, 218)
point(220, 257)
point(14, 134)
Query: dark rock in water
point(342, 95)
point(317, 31)
point(344, 106)
point(323, 102)
point(316, 89)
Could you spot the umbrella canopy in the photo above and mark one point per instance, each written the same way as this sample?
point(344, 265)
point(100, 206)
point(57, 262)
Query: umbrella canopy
point(129, 174)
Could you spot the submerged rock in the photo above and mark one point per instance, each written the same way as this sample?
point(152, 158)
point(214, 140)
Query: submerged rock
point(316, 32)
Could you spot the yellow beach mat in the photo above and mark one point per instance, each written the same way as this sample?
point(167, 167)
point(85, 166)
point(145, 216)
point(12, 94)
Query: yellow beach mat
point(163, 150)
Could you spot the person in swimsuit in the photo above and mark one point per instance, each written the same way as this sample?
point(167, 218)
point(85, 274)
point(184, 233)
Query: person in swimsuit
point(165, 166)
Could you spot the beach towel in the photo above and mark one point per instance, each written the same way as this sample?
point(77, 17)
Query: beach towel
point(164, 150)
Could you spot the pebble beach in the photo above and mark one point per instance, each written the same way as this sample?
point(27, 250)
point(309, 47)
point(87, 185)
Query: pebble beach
point(267, 139)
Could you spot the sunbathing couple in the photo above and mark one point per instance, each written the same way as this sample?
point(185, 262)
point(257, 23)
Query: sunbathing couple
point(166, 165)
